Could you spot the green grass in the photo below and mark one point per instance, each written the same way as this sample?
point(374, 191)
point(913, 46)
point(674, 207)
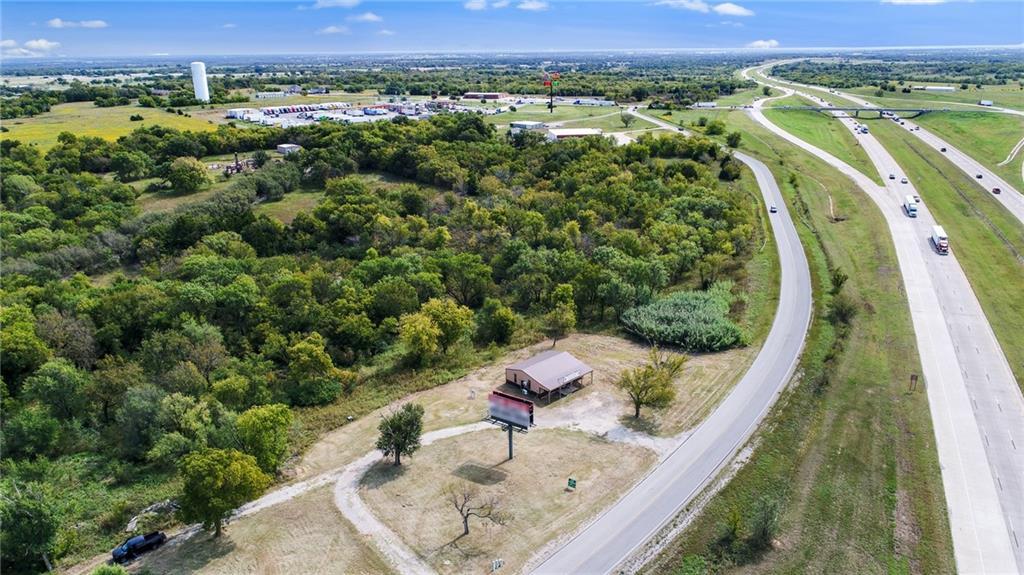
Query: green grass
point(854, 466)
point(611, 123)
point(165, 200)
point(540, 113)
point(824, 132)
point(986, 137)
point(288, 207)
point(740, 97)
point(984, 235)
point(86, 119)
point(1008, 96)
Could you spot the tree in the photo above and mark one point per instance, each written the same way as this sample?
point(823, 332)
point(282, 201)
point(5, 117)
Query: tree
point(715, 128)
point(419, 335)
point(467, 500)
point(560, 322)
point(496, 322)
point(114, 375)
point(766, 90)
point(312, 377)
point(61, 387)
point(260, 158)
point(69, 336)
point(263, 432)
point(453, 320)
point(130, 166)
point(187, 175)
point(627, 119)
point(23, 351)
point(651, 385)
point(400, 432)
point(215, 482)
point(30, 432)
point(733, 139)
point(29, 529)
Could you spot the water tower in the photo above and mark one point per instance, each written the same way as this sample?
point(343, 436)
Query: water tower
point(199, 82)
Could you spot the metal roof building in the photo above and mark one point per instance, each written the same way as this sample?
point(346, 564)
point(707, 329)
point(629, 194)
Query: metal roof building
point(547, 372)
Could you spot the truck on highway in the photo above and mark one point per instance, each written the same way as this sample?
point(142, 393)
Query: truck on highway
point(940, 240)
point(910, 206)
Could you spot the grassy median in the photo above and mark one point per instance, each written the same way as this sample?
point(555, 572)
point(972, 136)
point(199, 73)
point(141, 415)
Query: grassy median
point(986, 137)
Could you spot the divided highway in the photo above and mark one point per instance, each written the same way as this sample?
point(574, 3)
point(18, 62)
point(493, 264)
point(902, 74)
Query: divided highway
point(976, 405)
point(647, 507)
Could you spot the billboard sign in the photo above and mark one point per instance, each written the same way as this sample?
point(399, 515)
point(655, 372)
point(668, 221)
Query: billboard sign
point(510, 409)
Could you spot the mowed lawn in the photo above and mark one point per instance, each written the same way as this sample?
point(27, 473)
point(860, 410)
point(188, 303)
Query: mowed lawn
point(86, 119)
point(985, 136)
point(824, 132)
point(1006, 96)
point(975, 221)
point(540, 113)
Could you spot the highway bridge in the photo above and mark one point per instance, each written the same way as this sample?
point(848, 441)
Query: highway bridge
point(855, 112)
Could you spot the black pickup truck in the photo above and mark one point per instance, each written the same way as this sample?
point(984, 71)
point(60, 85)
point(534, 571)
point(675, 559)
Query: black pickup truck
point(135, 546)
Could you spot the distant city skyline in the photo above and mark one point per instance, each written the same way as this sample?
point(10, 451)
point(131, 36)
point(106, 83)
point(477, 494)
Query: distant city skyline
point(34, 30)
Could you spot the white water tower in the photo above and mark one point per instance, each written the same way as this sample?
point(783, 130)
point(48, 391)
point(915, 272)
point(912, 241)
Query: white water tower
point(199, 82)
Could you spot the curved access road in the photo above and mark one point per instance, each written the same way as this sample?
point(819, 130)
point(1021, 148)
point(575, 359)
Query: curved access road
point(976, 406)
point(1010, 197)
point(625, 527)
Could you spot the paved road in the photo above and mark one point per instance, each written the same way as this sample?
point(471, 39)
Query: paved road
point(646, 508)
point(1010, 197)
point(976, 406)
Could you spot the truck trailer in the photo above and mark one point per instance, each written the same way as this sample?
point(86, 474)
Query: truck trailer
point(940, 240)
point(910, 206)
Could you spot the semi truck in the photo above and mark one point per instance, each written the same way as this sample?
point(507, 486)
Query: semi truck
point(910, 206)
point(940, 240)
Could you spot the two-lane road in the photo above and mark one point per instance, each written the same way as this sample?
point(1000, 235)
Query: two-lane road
point(645, 509)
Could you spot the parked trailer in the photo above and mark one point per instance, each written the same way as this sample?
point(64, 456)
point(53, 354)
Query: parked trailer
point(940, 240)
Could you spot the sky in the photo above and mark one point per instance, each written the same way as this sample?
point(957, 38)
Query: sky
point(43, 29)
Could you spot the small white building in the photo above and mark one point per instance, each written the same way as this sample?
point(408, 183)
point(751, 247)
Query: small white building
point(525, 126)
point(984, 102)
point(705, 105)
point(285, 149)
point(269, 95)
point(566, 133)
point(935, 88)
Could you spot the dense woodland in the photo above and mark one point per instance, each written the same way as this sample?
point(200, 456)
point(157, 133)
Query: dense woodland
point(988, 69)
point(133, 340)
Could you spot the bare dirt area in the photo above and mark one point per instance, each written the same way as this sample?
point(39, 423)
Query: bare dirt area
point(531, 487)
point(304, 535)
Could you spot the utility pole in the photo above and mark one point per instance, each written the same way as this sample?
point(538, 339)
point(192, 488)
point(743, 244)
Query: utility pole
point(510, 443)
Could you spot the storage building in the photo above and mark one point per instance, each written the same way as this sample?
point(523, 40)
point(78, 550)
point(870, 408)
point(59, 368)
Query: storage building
point(564, 133)
point(285, 149)
point(548, 372)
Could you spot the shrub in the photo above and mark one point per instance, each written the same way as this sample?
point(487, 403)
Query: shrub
point(692, 320)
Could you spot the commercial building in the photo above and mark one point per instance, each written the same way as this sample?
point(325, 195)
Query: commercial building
point(199, 85)
point(285, 149)
point(268, 95)
point(705, 105)
point(525, 125)
point(547, 373)
point(483, 95)
point(592, 102)
point(935, 88)
point(565, 133)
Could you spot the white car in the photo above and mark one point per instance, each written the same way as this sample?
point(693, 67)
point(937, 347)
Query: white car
point(773, 209)
point(903, 180)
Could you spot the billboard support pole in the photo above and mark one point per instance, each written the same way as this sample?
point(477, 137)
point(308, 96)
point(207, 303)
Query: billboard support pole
point(510, 443)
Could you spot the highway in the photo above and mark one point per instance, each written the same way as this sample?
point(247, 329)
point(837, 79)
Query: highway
point(648, 506)
point(1010, 197)
point(976, 405)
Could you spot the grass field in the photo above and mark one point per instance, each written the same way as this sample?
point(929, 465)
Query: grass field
point(540, 113)
point(532, 487)
point(975, 221)
point(986, 137)
point(288, 207)
point(164, 201)
point(1007, 96)
point(852, 463)
point(86, 119)
point(305, 535)
point(824, 132)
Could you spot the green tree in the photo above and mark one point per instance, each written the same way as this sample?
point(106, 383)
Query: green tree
point(260, 158)
point(651, 385)
point(30, 432)
point(61, 387)
point(114, 376)
point(715, 128)
point(187, 175)
point(496, 322)
point(733, 139)
point(454, 321)
point(263, 432)
point(29, 529)
point(419, 335)
point(627, 119)
point(130, 166)
point(400, 432)
point(766, 90)
point(215, 482)
point(23, 350)
point(312, 377)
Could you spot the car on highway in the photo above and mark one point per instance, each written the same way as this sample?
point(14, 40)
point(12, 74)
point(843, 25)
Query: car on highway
point(996, 191)
point(773, 209)
point(903, 180)
point(979, 176)
point(135, 546)
point(892, 176)
point(943, 150)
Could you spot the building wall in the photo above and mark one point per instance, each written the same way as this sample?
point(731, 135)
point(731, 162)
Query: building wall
point(517, 376)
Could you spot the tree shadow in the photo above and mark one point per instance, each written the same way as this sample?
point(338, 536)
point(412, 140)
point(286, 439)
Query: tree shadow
point(642, 424)
point(188, 556)
point(479, 473)
point(381, 473)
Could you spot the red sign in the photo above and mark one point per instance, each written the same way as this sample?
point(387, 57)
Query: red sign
point(510, 409)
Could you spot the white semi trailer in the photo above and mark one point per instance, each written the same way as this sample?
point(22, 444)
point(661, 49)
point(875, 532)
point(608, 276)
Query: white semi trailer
point(940, 240)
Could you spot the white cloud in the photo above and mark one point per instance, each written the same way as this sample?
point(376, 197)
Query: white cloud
point(365, 17)
point(230, 25)
point(475, 5)
point(500, 4)
point(58, 23)
point(730, 9)
point(385, 32)
point(695, 5)
point(30, 49)
point(335, 3)
point(333, 30)
point(914, 2)
point(533, 5)
point(763, 44)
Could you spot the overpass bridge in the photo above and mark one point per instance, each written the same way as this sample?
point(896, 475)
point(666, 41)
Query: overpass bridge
point(855, 112)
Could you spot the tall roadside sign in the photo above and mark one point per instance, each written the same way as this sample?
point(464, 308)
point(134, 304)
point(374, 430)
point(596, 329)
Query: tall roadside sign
point(511, 413)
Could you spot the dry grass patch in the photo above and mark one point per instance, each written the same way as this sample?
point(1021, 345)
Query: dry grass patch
point(531, 487)
point(304, 535)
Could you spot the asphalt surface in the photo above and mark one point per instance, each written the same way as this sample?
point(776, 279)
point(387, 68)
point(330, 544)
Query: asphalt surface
point(976, 405)
point(649, 505)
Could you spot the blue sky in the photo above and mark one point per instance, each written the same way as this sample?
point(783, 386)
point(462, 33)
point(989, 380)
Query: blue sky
point(138, 28)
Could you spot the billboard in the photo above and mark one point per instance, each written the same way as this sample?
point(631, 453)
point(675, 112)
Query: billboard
point(510, 409)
